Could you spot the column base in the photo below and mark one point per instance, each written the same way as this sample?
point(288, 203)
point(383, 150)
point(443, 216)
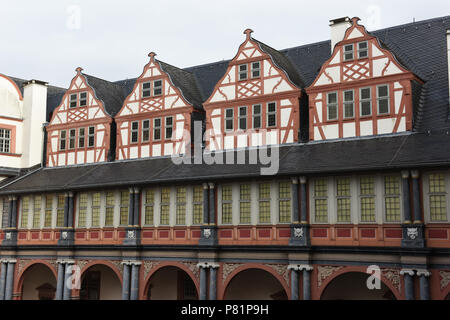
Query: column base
point(133, 237)
point(66, 237)
point(209, 236)
point(10, 237)
point(413, 236)
point(300, 235)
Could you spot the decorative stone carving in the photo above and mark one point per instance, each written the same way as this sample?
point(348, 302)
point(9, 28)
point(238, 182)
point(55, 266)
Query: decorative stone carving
point(23, 263)
point(298, 233)
point(131, 234)
point(229, 268)
point(445, 279)
point(412, 233)
point(193, 267)
point(148, 266)
point(393, 276)
point(324, 272)
point(8, 236)
point(82, 263)
point(118, 265)
point(282, 270)
point(64, 235)
point(207, 233)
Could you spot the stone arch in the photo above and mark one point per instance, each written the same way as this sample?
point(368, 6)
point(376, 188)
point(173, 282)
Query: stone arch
point(22, 274)
point(104, 283)
point(104, 263)
point(255, 266)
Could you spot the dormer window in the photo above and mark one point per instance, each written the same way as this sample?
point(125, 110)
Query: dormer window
point(146, 92)
point(157, 87)
point(134, 131)
point(75, 97)
point(365, 99)
point(348, 52)
point(383, 99)
point(256, 70)
point(73, 100)
point(363, 50)
point(271, 114)
point(242, 72)
point(72, 135)
point(229, 119)
point(169, 127)
point(62, 140)
point(332, 106)
point(83, 99)
point(91, 137)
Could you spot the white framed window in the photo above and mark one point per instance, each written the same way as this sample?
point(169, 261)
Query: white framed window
point(83, 99)
point(157, 129)
point(257, 116)
point(25, 212)
point(157, 88)
point(245, 204)
point(256, 69)
point(229, 119)
point(343, 199)
point(62, 140)
point(134, 131)
point(149, 210)
point(392, 199)
point(169, 128)
point(91, 137)
point(437, 199)
point(271, 114)
point(365, 102)
point(320, 198)
point(146, 90)
point(363, 50)
point(264, 203)
point(145, 130)
point(5, 141)
point(242, 72)
point(242, 118)
point(81, 137)
point(227, 204)
point(367, 199)
point(72, 138)
point(349, 104)
point(284, 202)
point(73, 100)
point(332, 106)
point(82, 210)
point(383, 99)
point(349, 52)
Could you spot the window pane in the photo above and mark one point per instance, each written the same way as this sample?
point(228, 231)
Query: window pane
point(285, 202)
point(95, 210)
point(264, 203)
point(365, 93)
point(165, 206)
point(244, 203)
point(37, 212)
point(181, 206)
point(60, 211)
point(48, 211)
point(198, 205)
point(25, 211)
point(227, 198)
point(343, 201)
point(82, 212)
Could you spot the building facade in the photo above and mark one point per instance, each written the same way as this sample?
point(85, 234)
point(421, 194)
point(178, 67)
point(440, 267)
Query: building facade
point(154, 187)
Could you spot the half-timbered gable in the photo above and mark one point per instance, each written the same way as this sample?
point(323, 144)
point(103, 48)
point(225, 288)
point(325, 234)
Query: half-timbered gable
point(256, 102)
point(362, 90)
point(80, 128)
point(158, 112)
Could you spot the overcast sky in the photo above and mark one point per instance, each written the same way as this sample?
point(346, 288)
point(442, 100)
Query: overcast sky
point(48, 39)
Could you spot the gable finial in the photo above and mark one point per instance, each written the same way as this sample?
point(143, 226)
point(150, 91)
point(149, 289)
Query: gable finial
point(355, 20)
point(248, 33)
point(152, 56)
point(79, 69)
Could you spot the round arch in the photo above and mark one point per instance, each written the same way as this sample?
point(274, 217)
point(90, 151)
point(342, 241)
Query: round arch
point(19, 93)
point(32, 266)
point(145, 287)
point(104, 263)
point(254, 266)
point(100, 280)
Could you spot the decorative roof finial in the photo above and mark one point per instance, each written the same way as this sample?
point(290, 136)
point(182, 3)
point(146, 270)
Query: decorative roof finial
point(79, 69)
point(152, 56)
point(355, 20)
point(248, 33)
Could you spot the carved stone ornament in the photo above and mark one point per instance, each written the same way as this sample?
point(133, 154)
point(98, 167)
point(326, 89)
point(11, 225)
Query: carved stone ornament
point(413, 233)
point(118, 265)
point(445, 279)
point(324, 272)
point(8, 236)
point(393, 276)
point(64, 235)
point(193, 267)
point(207, 233)
point(23, 263)
point(82, 263)
point(229, 268)
point(148, 266)
point(131, 234)
point(298, 232)
point(282, 270)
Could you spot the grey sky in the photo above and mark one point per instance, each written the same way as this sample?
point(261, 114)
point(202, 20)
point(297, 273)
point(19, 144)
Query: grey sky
point(41, 39)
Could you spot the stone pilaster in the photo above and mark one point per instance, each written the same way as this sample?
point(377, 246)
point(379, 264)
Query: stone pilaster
point(67, 287)
point(126, 282)
point(300, 229)
point(67, 234)
point(408, 277)
point(209, 229)
point(424, 276)
point(9, 282)
point(306, 273)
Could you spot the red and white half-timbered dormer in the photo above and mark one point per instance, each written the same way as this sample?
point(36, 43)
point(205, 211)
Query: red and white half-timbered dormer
point(157, 112)
point(362, 90)
point(80, 128)
point(256, 102)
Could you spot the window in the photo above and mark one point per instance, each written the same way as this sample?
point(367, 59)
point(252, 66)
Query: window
point(48, 211)
point(348, 52)
point(321, 201)
point(343, 199)
point(157, 129)
point(242, 118)
point(146, 92)
point(227, 203)
point(37, 212)
point(62, 140)
point(149, 207)
point(5, 212)
point(383, 99)
point(264, 203)
point(73, 100)
point(109, 216)
point(72, 136)
point(95, 219)
point(242, 72)
point(60, 211)
point(367, 194)
point(134, 131)
point(5, 141)
point(332, 106)
point(169, 127)
point(285, 202)
point(256, 69)
point(165, 206)
point(81, 137)
point(124, 207)
point(365, 101)
point(198, 205)
point(392, 198)
point(83, 99)
point(363, 50)
point(349, 104)
point(271, 114)
point(157, 87)
point(181, 206)
point(145, 130)
point(229, 119)
point(25, 212)
point(82, 212)
point(244, 204)
point(438, 197)
point(91, 137)
point(256, 116)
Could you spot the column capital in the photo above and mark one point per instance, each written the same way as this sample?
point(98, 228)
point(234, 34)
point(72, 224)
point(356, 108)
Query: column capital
point(71, 194)
point(13, 198)
point(131, 189)
point(207, 265)
point(424, 273)
point(300, 267)
point(415, 174)
point(211, 185)
point(205, 186)
point(131, 262)
point(65, 261)
point(8, 260)
point(303, 180)
point(137, 190)
point(294, 180)
point(407, 271)
point(405, 174)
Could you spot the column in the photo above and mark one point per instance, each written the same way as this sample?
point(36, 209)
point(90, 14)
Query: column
point(202, 283)
point(213, 282)
point(409, 283)
point(212, 206)
point(416, 197)
point(294, 284)
point(131, 207)
point(134, 292)
point(424, 276)
point(294, 191)
point(307, 283)
point(303, 200)
point(60, 281)
point(406, 197)
point(67, 286)
point(205, 204)
point(126, 282)
point(10, 279)
point(137, 207)
point(14, 212)
point(4, 267)
point(70, 211)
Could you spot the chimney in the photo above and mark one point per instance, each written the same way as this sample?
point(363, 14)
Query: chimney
point(338, 28)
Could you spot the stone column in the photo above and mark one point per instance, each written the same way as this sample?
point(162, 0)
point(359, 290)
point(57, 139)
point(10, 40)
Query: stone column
point(10, 279)
point(60, 281)
point(134, 291)
point(406, 197)
point(294, 284)
point(294, 191)
point(126, 282)
point(137, 207)
point(307, 283)
point(202, 283)
point(295, 270)
point(4, 266)
point(424, 276)
point(213, 282)
point(408, 277)
point(205, 204)
point(212, 207)
point(67, 291)
point(131, 207)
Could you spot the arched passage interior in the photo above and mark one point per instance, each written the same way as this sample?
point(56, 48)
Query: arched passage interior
point(171, 283)
point(39, 283)
point(100, 282)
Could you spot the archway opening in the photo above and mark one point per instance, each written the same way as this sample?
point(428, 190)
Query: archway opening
point(171, 283)
point(100, 282)
point(255, 284)
point(353, 286)
point(39, 283)
point(447, 297)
